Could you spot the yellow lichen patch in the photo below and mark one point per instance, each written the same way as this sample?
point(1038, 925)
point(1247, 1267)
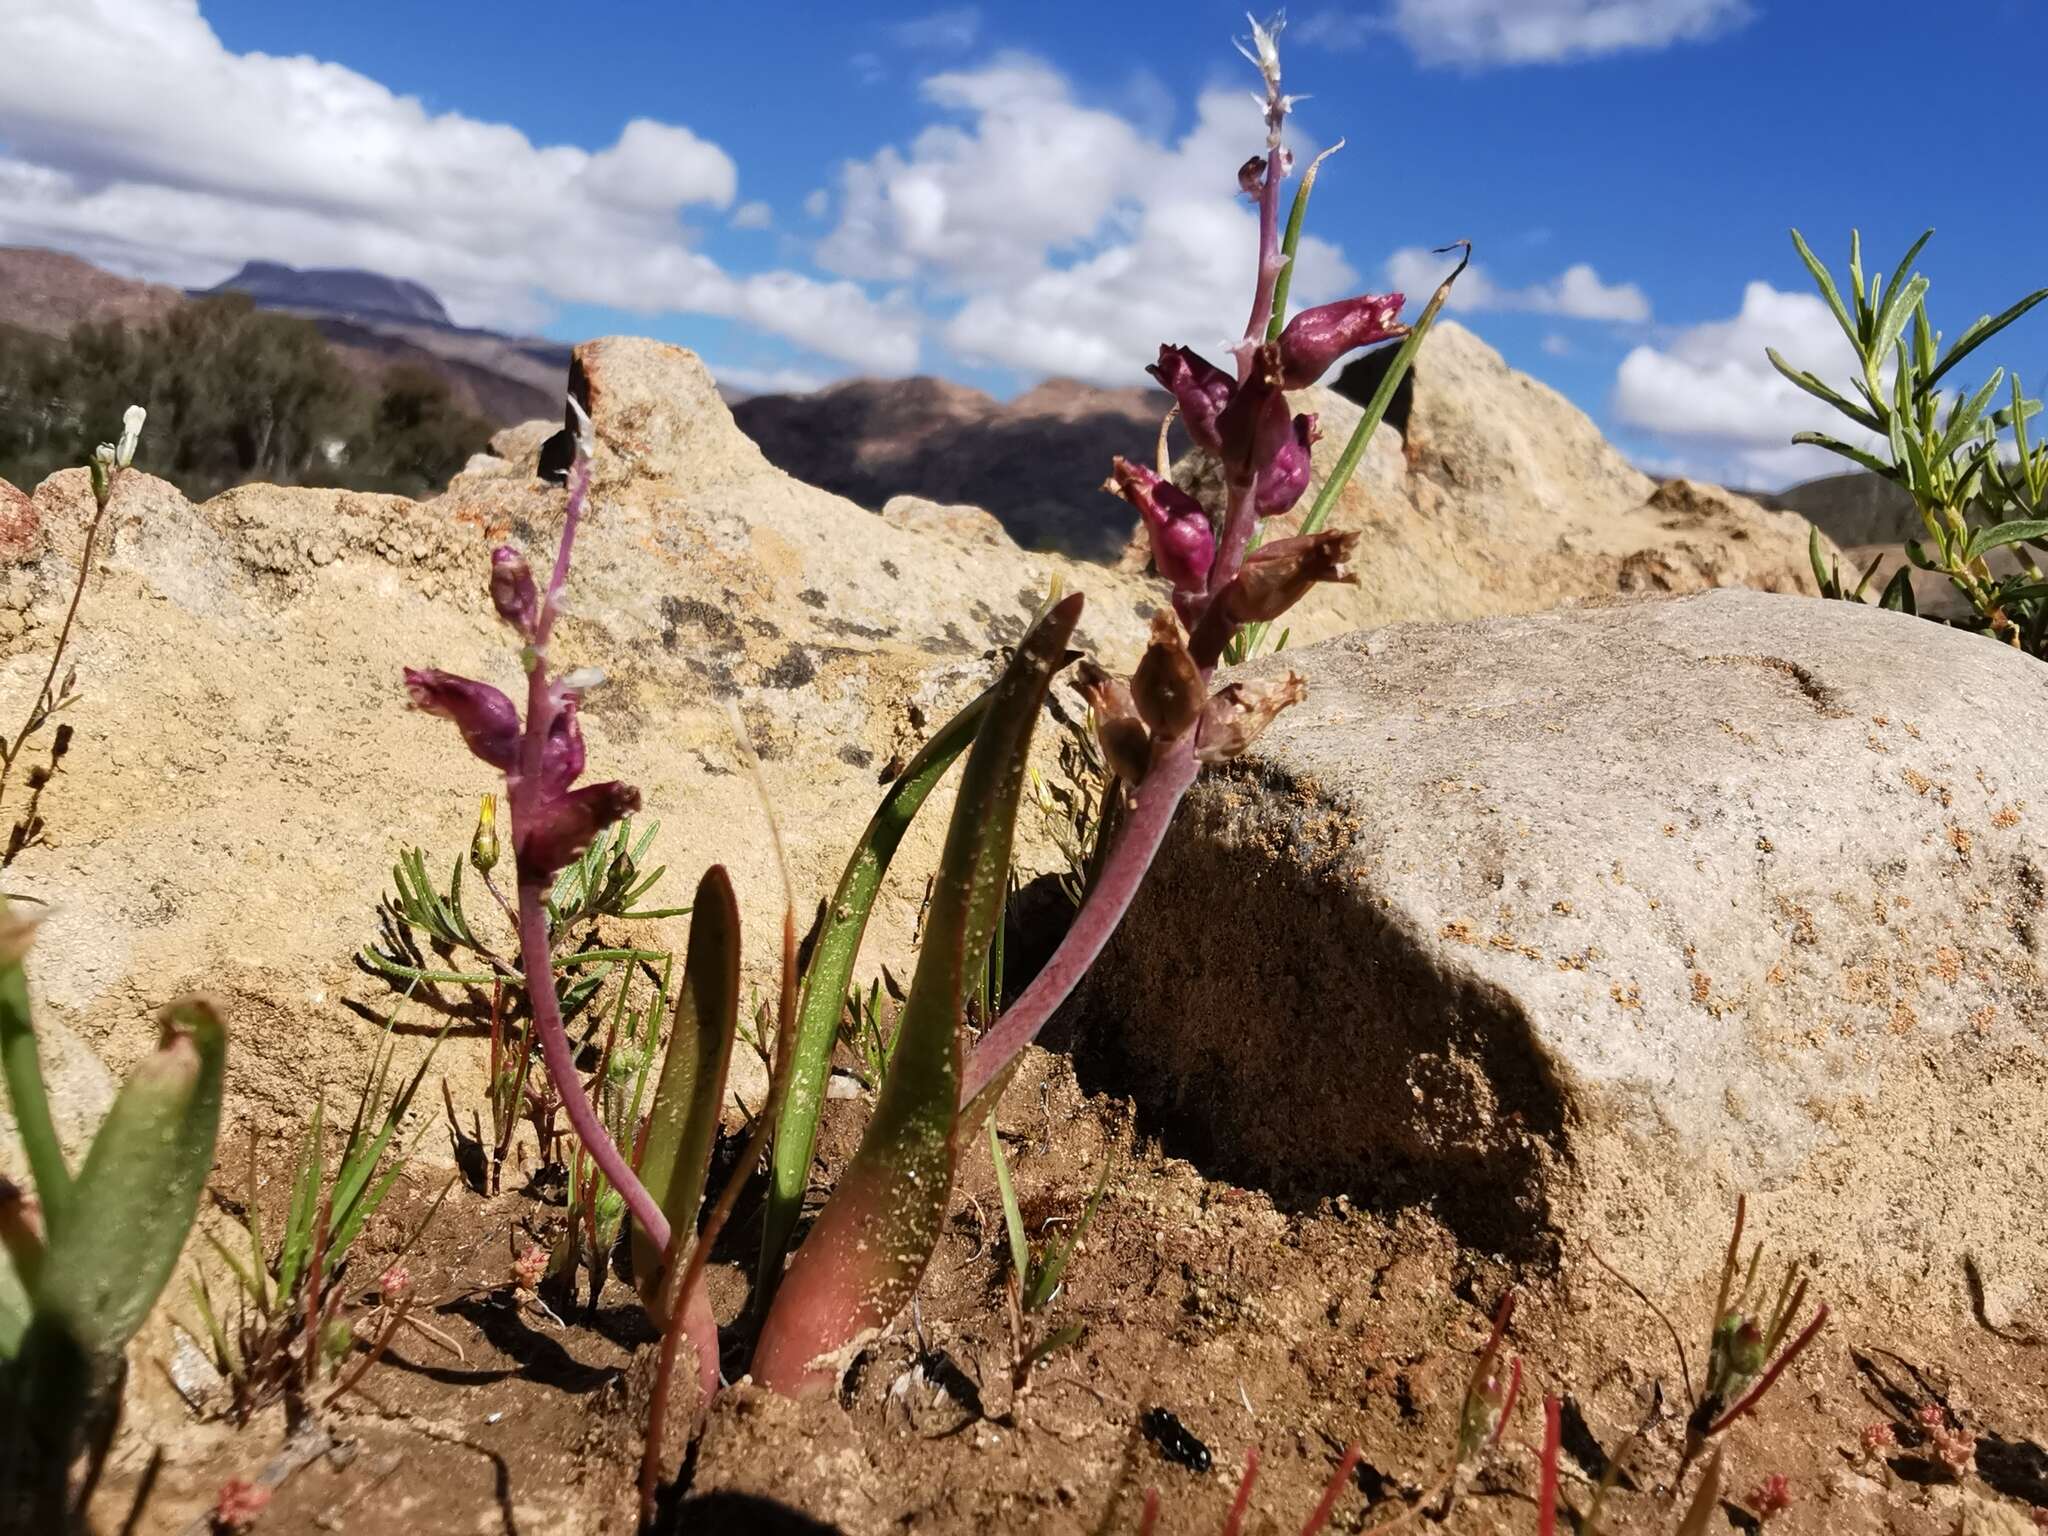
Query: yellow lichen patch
point(1561, 907)
point(1459, 930)
point(1702, 986)
point(1916, 781)
point(1630, 996)
point(2008, 816)
point(1959, 840)
point(1903, 1017)
point(1980, 1021)
point(1948, 963)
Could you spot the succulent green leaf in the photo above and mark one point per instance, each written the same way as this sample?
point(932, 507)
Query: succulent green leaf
point(1898, 592)
point(1824, 280)
point(682, 1128)
point(139, 1188)
point(1821, 391)
point(1699, 1515)
point(1892, 318)
point(24, 1074)
point(1869, 461)
point(863, 1260)
point(1979, 333)
point(2018, 531)
point(829, 972)
point(1822, 578)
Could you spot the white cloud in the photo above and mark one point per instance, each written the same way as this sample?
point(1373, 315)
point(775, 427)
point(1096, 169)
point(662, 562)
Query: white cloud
point(817, 203)
point(1578, 293)
point(1074, 241)
point(1555, 345)
point(133, 135)
point(1711, 390)
point(754, 215)
point(1476, 33)
point(1340, 31)
point(767, 381)
point(952, 31)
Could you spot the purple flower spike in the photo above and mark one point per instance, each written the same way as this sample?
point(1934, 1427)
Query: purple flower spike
point(564, 826)
point(1317, 337)
point(1200, 388)
point(1256, 429)
point(1282, 482)
point(512, 590)
point(561, 762)
point(1183, 545)
point(487, 719)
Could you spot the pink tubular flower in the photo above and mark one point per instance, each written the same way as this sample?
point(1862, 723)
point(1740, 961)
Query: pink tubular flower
point(1199, 388)
point(529, 1268)
point(1316, 338)
point(1255, 429)
point(1282, 482)
point(567, 824)
point(487, 719)
point(1183, 545)
point(561, 763)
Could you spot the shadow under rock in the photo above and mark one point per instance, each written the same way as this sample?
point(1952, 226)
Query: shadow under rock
point(739, 1514)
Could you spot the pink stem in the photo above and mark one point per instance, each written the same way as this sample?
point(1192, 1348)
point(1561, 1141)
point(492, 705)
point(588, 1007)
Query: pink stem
point(1331, 1491)
point(1108, 899)
point(535, 955)
point(1546, 1491)
point(1235, 1522)
point(1173, 773)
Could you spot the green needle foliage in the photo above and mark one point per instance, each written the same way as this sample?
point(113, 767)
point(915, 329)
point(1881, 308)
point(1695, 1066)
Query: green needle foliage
point(292, 1298)
point(1977, 478)
point(82, 1263)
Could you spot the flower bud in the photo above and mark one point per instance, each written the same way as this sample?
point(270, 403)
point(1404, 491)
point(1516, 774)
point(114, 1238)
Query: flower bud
point(1277, 575)
point(1126, 744)
point(1255, 427)
point(1282, 482)
point(1199, 388)
point(1316, 338)
point(487, 719)
point(513, 593)
point(1167, 688)
point(1250, 175)
point(1240, 712)
point(131, 433)
point(395, 1284)
point(530, 1268)
point(565, 825)
point(1183, 544)
point(483, 845)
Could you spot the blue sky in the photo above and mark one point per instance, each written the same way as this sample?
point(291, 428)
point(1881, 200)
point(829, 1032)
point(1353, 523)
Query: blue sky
point(999, 193)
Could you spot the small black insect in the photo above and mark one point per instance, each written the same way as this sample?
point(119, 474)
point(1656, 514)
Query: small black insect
point(1174, 1440)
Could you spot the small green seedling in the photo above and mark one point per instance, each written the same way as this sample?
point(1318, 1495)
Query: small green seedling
point(1035, 1275)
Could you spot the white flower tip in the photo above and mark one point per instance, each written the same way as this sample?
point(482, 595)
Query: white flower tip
point(585, 444)
point(131, 431)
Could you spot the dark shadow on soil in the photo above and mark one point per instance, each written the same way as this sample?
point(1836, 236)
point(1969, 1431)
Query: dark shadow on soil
point(539, 1356)
point(1375, 1071)
point(739, 1514)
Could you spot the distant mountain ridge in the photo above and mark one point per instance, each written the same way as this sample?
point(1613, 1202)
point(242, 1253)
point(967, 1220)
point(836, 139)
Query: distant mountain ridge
point(336, 290)
point(374, 323)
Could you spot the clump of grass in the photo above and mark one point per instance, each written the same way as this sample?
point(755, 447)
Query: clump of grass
point(297, 1315)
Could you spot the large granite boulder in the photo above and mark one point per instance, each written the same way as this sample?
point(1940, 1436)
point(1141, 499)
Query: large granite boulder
point(1570, 927)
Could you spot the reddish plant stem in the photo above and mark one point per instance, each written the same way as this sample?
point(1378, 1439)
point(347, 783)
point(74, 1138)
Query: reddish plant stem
point(1755, 1394)
point(535, 953)
point(1235, 1522)
point(1321, 1515)
point(1173, 771)
point(1546, 1490)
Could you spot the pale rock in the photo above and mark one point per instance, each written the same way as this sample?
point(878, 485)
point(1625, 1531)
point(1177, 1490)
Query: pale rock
point(1573, 926)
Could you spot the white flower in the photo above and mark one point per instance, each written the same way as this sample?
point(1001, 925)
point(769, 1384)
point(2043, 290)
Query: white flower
point(131, 430)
